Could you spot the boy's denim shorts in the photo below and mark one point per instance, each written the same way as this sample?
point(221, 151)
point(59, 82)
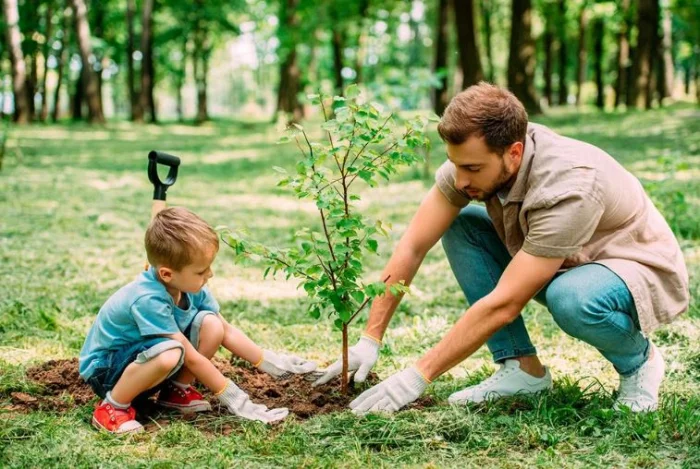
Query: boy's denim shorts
point(111, 368)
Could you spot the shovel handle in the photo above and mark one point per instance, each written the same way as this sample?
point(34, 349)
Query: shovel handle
point(160, 187)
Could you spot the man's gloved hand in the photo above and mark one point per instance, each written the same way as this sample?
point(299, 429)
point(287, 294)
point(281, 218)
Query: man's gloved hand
point(283, 366)
point(238, 403)
point(361, 358)
point(391, 394)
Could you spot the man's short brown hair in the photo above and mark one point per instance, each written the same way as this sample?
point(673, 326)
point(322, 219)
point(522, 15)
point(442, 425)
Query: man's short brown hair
point(175, 236)
point(488, 111)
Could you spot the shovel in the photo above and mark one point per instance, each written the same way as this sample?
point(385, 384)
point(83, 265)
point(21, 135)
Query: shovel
point(161, 187)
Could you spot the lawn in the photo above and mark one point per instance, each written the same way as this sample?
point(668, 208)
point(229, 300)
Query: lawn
point(74, 203)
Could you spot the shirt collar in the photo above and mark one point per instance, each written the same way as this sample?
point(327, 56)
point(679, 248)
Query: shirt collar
point(519, 189)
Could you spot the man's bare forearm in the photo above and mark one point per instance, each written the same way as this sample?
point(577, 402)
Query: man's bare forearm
point(403, 265)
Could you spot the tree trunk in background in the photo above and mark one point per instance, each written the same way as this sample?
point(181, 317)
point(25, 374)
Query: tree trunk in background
point(44, 114)
point(202, 56)
point(623, 54)
point(136, 112)
point(19, 70)
point(642, 64)
point(146, 95)
point(181, 78)
point(61, 58)
point(90, 80)
point(547, 41)
point(655, 54)
point(77, 98)
point(598, 33)
point(361, 51)
point(563, 83)
point(337, 42)
point(289, 69)
point(582, 52)
point(521, 59)
point(466, 42)
point(486, 6)
point(665, 73)
point(440, 95)
point(98, 9)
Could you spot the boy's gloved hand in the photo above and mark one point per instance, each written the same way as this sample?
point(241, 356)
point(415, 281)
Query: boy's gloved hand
point(361, 358)
point(238, 403)
point(391, 394)
point(283, 366)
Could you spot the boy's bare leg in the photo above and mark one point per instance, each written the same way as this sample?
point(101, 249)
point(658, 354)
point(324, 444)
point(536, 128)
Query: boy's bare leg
point(139, 377)
point(211, 333)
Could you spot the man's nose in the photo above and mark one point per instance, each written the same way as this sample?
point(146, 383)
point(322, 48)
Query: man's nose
point(462, 182)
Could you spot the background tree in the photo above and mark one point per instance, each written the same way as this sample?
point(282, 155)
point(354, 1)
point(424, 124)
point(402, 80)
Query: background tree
point(521, 58)
point(22, 112)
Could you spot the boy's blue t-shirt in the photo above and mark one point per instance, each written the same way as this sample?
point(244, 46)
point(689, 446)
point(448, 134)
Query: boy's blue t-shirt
point(139, 309)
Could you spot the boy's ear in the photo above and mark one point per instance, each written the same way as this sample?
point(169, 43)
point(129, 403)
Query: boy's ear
point(165, 274)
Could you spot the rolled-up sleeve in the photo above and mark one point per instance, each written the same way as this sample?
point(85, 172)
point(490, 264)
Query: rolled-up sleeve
point(564, 227)
point(445, 181)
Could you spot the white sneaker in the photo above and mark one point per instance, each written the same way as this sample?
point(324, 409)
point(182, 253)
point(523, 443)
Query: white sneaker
point(507, 381)
point(640, 392)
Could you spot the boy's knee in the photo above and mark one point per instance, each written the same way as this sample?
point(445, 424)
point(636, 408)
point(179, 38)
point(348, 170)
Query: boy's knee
point(212, 328)
point(169, 359)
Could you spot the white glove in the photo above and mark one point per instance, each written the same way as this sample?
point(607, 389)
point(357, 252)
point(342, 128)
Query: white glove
point(283, 366)
point(361, 358)
point(238, 403)
point(391, 394)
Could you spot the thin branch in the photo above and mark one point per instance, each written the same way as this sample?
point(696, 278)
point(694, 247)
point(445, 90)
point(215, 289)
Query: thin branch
point(370, 140)
point(381, 155)
point(276, 259)
point(325, 118)
point(328, 237)
point(364, 303)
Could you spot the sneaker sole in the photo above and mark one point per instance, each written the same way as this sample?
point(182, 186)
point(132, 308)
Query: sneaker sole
point(190, 409)
point(100, 427)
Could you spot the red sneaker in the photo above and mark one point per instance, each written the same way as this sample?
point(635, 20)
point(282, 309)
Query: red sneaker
point(108, 417)
point(185, 400)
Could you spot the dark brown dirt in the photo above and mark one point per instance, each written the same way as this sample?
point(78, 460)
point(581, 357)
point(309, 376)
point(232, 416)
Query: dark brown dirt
point(62, 389)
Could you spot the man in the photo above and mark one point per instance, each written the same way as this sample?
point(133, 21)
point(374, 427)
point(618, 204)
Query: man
point(565, 224)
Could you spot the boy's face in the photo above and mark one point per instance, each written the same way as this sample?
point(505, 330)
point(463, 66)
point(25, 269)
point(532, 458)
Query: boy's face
point(192, 277)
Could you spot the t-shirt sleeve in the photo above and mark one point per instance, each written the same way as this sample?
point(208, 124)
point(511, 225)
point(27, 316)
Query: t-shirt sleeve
point(445, 181)
point(563, 228)
point(206, 301)
point(154, 316)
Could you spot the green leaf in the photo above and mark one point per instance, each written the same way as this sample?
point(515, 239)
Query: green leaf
point(338, 323)
point(358, 296)
point(372, 245)
point(296, 126)
point(352, 92)
point(279, 170)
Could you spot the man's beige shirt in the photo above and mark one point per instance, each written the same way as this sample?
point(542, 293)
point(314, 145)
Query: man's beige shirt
point(573, 200)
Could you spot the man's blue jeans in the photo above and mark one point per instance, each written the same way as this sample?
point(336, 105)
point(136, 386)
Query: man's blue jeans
point(588, 302)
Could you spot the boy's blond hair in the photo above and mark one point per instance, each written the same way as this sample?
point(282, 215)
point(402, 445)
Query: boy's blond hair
point(175, 236)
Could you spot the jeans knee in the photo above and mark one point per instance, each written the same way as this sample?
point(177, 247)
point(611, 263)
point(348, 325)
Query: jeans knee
point(567, 309)
point(471, 218)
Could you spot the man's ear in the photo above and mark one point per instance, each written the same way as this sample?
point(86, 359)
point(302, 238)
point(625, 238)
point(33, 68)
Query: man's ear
point(165, 274)
point(514, 154)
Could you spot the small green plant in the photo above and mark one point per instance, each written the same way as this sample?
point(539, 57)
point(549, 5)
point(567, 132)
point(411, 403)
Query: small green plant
point(360, 143)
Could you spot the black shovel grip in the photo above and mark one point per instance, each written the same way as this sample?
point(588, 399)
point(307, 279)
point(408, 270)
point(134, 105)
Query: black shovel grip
point(160, 187)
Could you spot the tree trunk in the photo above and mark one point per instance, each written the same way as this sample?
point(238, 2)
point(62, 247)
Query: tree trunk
point(337, 42)
point(598, 32)
point(486, 6)
point(655, 55)
point(136, 112)
point(181, 77)
point(19, 70)
point(98, 8)
point(345, 375)
point(361, 41)
point(521, 59)
point(642, 65)
point(623, 54)
point(90, 79)
point(466, 42)
point(146, 97)
point(582, 52)
point(201, 80)
point(548, 40)
point(666, 59)
point(61, 58)
point(78, 96)
point(440, 95)
point(44, 114)
point(289, 69)
point(563, 57)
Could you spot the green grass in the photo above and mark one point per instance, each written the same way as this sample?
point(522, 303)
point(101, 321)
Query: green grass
point(75, 200)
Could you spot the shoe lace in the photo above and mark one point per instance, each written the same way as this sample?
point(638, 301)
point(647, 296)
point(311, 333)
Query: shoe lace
point(494, 378)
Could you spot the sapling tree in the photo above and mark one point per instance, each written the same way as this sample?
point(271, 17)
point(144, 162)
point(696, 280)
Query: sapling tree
point(359, 143)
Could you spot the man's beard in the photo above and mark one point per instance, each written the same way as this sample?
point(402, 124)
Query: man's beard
point(503, 181)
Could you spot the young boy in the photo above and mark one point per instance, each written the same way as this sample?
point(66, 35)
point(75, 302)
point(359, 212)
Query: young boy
point(137, 340)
